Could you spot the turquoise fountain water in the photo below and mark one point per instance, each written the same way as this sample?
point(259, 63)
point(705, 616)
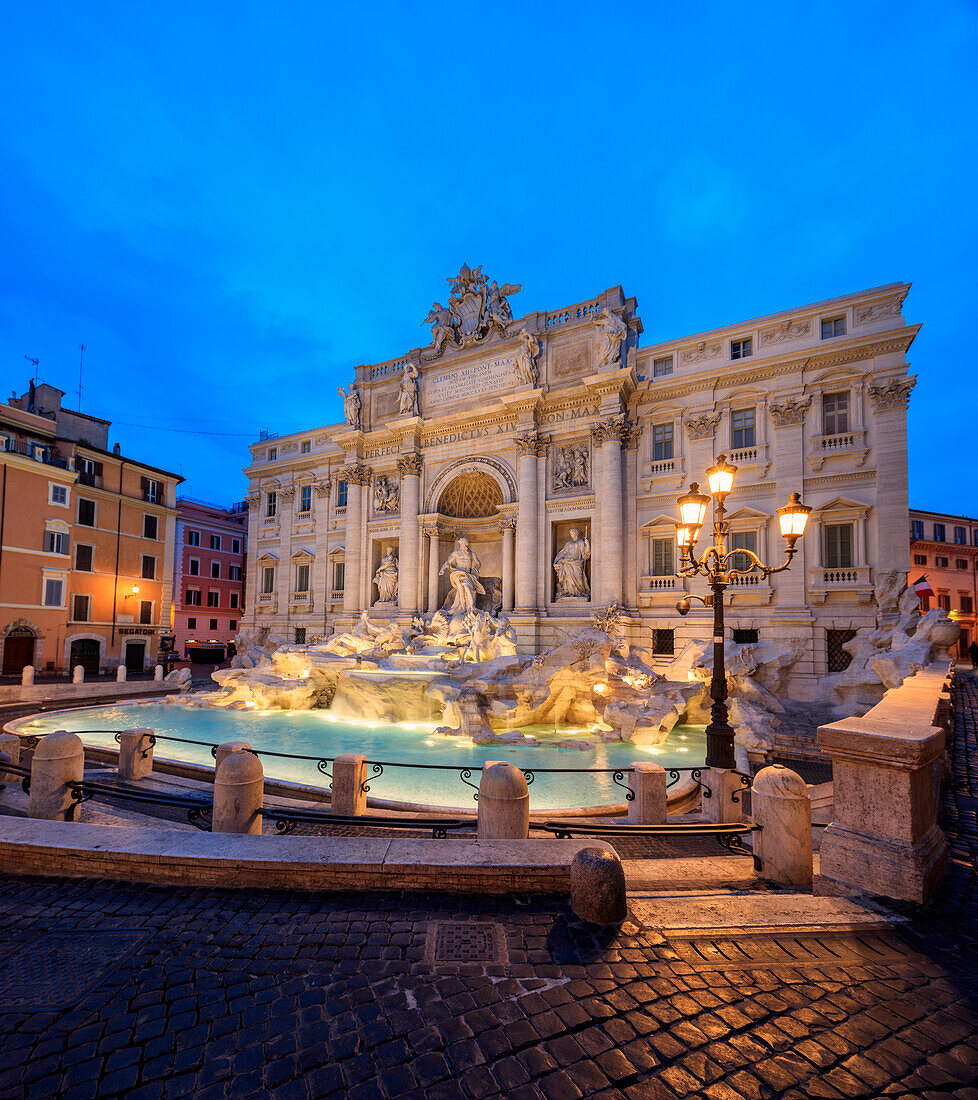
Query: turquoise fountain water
point(317, 733)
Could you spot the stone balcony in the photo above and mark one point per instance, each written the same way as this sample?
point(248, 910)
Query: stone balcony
point(848, 445)
point(660, 590)
point(751, 458)
point(854, 580)
point(750, 588)
point(301, 600)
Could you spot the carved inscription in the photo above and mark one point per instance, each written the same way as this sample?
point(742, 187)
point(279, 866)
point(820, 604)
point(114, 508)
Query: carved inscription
point(470, 382)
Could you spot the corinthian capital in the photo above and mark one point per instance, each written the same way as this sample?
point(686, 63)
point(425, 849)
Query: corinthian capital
point(356, 473)
point(896, 395)
point(323, 489)
point(613, 428)
point(527, 443)
point(790, 411)
point(409, 465)
point(703, 426)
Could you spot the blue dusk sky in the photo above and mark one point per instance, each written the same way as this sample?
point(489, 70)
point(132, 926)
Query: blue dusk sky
point(233, 204)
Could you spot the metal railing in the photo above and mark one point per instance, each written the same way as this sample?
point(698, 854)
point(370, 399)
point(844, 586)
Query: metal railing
point(86, 789)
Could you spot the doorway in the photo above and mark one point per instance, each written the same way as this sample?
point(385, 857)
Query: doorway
point(135, 656)
point(85, 652)
point(18, 650)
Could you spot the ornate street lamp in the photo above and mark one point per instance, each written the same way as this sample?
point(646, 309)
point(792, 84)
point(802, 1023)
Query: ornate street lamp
point(715, 566)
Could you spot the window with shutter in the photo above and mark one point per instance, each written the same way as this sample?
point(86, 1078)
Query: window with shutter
point(662, 558)
point(838, 546)
point(743, 540)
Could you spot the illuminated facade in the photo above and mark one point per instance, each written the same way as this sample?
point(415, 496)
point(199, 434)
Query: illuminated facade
point(517, 433)
point(86, 565)
point(944, 549)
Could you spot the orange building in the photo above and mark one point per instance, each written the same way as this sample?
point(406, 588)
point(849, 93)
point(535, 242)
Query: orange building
point(944, 549)
point(86, 543)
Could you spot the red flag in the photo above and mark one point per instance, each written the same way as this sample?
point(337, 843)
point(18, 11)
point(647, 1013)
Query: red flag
point(922, 587)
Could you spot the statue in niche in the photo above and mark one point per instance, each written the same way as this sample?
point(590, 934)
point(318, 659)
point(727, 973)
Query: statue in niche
point(611, 334)
point(387, 495)
point(386, 577)
point(463, 567)
point(408, 399)
point(569, 567)
point(525, 365)
point(570, 468)
point(352, 406)
point(442, 325)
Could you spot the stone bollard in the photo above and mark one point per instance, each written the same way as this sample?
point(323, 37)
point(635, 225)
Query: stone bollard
point(782, 807)
point(78, 675)
point(719, 786)
point(136, 753)
point(239, 786)
point(504, 802)
point(648, 781)
point(27, 676)
point(597, 882)
point(58, 759)
point(158, 674)
point(229, 747)
point(120, 674)
point(349, 776)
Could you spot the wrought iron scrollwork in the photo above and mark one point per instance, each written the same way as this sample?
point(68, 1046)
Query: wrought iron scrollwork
point(619, 779)
point(78, 795)
point(465, 775)
point(439, 832)
point(214, 751)
point(528, 773)
point(323, 766)
point(746, 782)
point(284, 825)
point(377, 771)
point(198, 815)
point(697, 774)
point(733, 842)
point(118, 738)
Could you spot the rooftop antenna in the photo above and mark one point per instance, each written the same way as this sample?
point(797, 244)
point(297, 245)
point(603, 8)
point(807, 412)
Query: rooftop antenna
point(81, 363)
point(35, 362)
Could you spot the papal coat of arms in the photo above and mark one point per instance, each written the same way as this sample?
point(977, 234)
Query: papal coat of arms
point(475, 308)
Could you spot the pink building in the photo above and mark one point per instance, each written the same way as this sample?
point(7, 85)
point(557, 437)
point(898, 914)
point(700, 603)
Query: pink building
point(208, 579)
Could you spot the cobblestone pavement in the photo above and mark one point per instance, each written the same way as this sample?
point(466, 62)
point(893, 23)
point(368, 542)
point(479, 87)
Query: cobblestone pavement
point(121, 990)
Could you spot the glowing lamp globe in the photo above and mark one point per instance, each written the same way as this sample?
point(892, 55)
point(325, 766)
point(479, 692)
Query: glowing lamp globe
point(793, 518)
point(721, 476)
point(684, 536)
point(692, 510)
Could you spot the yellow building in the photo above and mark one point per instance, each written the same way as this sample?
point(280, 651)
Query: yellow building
point(86, 542)
point(944, 550)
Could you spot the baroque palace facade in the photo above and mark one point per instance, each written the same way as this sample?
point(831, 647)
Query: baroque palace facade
point(557, 447)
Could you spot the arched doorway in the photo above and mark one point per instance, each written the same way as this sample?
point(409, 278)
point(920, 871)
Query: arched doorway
point(84, 652)
point(18, 649)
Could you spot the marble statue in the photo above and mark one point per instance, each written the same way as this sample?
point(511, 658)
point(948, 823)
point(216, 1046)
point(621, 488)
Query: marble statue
point(504, 641)
point(360, 639)
point(467, 302)
point(569, 567)
point(611, 334)
point(352, 406)
point(386, 577)
point(499, 312)
point(442, 325)
point(387, 495)
point(525, 365)
point(408, 400)
point(463, 565)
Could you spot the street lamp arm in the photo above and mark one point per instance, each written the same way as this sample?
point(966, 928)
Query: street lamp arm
point(765, 570)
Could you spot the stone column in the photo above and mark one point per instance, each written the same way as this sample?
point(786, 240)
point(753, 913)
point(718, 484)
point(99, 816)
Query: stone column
point(789, 457)
point(136, 753)
point(508, 527)
point(322, 582)
point(251, 587)
point(608, 436)
point(285, 579)
point(782, 807)
point(356, 477)
point(409, 467)
point(239, 785)
point(349, 797)
point(892, 503)
point(434, 552)
point(527, 526)
point(59, 759)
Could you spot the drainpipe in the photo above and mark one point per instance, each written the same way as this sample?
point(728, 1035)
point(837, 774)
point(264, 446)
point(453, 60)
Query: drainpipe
point(118, 540)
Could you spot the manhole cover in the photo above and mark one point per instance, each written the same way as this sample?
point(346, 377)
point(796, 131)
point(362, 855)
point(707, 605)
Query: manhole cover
point(794, 950)
point(54, 970)
point(455, 942)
